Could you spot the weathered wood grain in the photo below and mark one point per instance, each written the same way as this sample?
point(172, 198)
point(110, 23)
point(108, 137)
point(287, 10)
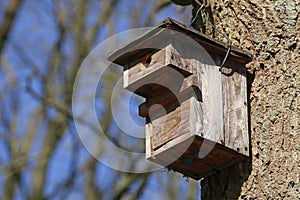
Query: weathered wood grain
point(212, 102)
point(235, 109)
point(171, 125)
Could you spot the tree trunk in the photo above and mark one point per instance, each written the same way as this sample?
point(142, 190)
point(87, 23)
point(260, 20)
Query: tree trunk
point(270, 31)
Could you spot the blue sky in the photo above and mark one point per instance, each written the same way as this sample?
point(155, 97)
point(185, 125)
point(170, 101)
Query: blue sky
point(34, 34)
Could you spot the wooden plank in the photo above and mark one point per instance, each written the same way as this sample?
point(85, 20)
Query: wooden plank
point(171, 125)
point(181, 155)
point(212, 102)
point(235, 109)
point(171, 151)
point(148, 140)
point(196, 117)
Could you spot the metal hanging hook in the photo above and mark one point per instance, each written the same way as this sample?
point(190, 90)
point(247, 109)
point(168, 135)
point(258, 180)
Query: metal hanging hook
point(197, 13)
point(202, 5)
point(228, 40)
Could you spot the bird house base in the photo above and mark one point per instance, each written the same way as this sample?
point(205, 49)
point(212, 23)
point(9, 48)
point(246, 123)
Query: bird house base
point(199, 157)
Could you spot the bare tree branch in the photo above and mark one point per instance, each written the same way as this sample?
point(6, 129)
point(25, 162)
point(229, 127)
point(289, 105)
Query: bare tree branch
point(8, 21)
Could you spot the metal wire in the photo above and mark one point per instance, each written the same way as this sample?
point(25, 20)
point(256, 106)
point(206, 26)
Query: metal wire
point(228, 40)
point(214, 27)
point(197, 13)
point(207, 3)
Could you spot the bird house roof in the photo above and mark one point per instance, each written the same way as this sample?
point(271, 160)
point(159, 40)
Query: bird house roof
point(161, 36)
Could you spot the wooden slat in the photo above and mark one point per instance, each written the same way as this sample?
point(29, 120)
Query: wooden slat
point(212, 105)
point(181, 155)
point(235, 109)
point(171, 151)
point(171, 125)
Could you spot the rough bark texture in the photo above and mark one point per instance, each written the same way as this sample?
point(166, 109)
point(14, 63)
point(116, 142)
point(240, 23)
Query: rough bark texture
point(270, 31)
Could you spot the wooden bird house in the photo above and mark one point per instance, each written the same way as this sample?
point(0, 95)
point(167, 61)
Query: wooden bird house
point(196, 113)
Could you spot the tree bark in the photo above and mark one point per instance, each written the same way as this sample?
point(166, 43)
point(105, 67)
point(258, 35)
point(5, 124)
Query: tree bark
point(270, 31)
